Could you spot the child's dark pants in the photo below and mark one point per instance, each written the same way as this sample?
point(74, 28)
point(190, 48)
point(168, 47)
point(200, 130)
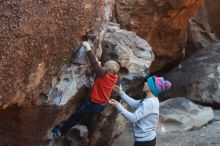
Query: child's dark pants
point(86, 108)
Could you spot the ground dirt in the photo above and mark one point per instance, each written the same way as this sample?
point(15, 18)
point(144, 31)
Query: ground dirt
point(208, 135)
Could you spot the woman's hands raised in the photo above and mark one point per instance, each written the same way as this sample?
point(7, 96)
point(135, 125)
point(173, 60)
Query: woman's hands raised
point(117, 89)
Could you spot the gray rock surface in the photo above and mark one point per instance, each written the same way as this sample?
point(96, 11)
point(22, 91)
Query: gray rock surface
point(198, 77)
point(67, 84)
point(203, 28)
point(133, 53)
point(103, 128)
point(207, 135)
point(180, 114)
point(161, 22)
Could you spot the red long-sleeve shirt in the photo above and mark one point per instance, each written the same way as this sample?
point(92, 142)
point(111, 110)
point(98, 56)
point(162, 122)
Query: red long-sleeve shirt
point(103, 84)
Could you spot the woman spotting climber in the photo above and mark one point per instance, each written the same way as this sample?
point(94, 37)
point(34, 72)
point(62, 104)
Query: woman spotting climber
point(146, 113)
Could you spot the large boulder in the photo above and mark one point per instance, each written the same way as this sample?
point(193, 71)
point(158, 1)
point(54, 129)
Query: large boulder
point(180, 114)
point(133, 53)
point(204, 26)
point(107, 128)
point(101, 128)
point(37, 39)
point(67, 84)
point(198, 77)
point(161, 22)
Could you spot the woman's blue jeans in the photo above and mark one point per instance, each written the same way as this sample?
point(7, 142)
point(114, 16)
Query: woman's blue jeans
point(86, 108)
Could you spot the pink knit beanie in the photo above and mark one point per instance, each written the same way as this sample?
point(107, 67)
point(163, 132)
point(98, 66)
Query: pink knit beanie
point(158, 84)
point(161, 84)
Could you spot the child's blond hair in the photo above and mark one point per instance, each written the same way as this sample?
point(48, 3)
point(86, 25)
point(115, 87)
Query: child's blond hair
point(112, 66)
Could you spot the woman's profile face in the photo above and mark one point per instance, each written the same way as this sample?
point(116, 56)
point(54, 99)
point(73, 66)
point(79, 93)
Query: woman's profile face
point(146, 87)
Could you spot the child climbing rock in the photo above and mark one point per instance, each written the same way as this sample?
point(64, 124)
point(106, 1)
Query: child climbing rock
point(106, 77)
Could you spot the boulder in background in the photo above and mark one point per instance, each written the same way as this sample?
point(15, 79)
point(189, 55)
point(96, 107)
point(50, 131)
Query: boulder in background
point(180, 114)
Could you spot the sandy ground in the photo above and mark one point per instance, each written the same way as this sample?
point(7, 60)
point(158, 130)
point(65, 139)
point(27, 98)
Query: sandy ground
point(208, 135)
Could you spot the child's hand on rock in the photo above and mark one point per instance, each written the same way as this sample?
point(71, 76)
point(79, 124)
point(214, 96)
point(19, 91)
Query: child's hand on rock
point(86, 44)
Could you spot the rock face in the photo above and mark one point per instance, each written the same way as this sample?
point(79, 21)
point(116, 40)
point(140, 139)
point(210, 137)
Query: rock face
point(161, 23)
point(103, 129)
point(67, 84)
point(40, 88)
point(132, 52)
point(198, 77)
point(134, 55)
point(203, 27)
point(109, 126)
point(78, 136)
point(180, 114)
point(37, 37)
point(36, 75)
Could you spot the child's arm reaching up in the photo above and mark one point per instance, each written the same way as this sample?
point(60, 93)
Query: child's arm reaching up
point(93, 60)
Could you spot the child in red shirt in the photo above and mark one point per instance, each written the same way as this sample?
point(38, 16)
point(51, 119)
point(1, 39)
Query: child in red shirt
point(106, 77)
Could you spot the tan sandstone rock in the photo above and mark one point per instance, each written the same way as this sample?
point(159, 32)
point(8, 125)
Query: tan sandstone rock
point(204, 28)
point(161, 22)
